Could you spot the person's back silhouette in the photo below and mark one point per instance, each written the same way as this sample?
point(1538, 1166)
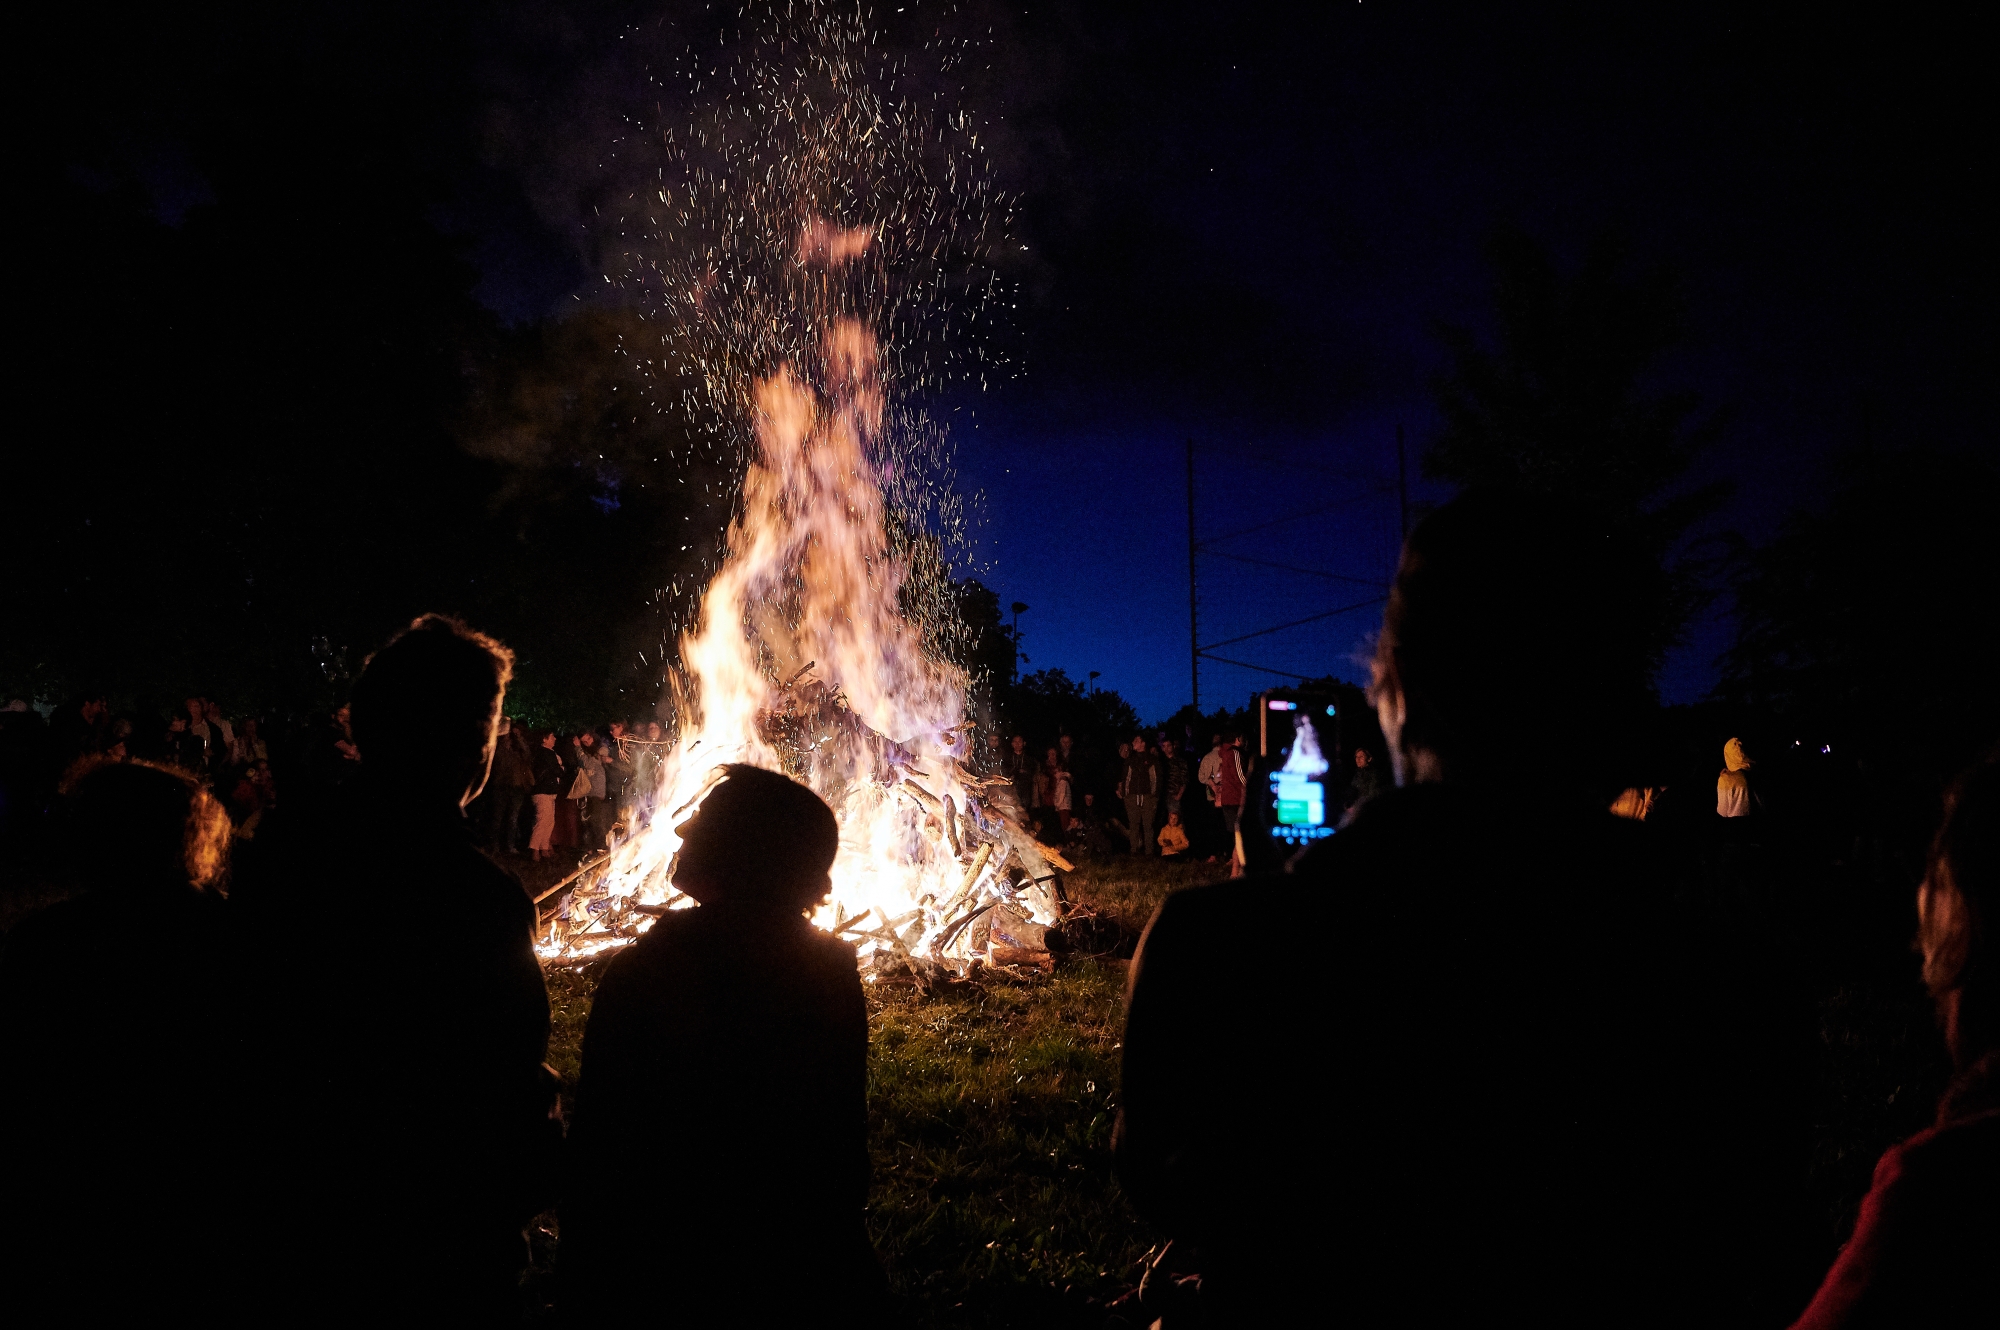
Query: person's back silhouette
point(718, 1148)
point(113, 1048)
point(397, 1016)
point(1478, 1082)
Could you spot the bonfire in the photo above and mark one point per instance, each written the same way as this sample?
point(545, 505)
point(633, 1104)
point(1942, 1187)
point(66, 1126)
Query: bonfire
point(802, 662)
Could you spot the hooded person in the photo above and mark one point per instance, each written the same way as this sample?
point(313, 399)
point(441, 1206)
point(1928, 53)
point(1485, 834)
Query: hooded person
point(718, 1146)
point(1733, 795)
point(1482, 1103)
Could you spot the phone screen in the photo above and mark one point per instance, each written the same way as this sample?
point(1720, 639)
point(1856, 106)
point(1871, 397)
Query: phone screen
point(1297, 770)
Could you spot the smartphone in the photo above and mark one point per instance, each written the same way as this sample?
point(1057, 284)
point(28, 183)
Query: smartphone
point(1300, 733)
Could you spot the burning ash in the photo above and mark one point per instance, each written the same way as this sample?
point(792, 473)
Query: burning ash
point(816, 647)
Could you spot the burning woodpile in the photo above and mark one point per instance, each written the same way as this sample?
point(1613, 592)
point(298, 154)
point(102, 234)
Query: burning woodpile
point(802, 661)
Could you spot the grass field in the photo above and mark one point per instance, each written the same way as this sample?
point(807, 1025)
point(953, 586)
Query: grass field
point(990, 1113)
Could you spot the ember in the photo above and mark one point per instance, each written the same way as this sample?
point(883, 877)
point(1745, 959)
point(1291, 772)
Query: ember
point(803, 657)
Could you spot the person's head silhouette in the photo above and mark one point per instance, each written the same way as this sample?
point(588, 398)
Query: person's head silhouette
point(758, 839)
point(1508, 606)
point(426, 710)
point(1957, 908)
point(150, 828)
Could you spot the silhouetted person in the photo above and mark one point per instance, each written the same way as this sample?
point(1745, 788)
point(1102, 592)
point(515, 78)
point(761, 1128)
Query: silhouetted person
point(1926, 1247)
point(113, 1043)
point(398, 1017)
point(1440, 1073)
point(718, 1148)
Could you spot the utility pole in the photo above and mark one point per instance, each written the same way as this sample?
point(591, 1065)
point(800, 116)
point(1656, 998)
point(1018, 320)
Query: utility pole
point(1018, 609)
point(1402, 484)
point(1194, 625)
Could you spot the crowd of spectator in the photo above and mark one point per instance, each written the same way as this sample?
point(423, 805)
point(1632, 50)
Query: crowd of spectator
point(554, 794)
point(1150, 796)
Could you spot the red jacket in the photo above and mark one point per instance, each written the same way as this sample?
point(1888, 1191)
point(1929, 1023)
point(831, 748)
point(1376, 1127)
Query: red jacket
point(1926, 1247)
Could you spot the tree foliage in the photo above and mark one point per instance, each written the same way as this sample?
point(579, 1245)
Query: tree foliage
point(1563, 402)
point(1879, 617)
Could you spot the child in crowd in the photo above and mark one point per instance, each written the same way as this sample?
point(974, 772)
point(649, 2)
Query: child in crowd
point(1173, 840)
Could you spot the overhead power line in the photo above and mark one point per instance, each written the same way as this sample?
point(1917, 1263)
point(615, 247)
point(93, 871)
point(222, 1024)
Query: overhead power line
point(1292, 568)
point(1244, 664)
point(1310, 618)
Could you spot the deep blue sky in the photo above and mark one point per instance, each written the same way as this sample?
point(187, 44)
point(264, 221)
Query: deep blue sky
point(1248, 229)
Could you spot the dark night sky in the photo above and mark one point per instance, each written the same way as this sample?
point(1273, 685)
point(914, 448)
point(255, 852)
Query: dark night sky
point(1243, 223)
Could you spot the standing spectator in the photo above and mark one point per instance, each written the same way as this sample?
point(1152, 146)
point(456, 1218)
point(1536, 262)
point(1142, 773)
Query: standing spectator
point(547, 788)
point(1062, 791)
point(646, 772)
point(1174, 776)
point(78, 730)
point(182, 747)
point(26, 769)
point(250, 746)
point(1229, 790)
point(1206, 835)
point(222, 737)
point(1019, 768)
point(1367, 778)
point(507, 788)
point(576, 789)
point(1139, 786)
point(205, 751)
point(618, 772)
point(591, 815)
point(1734, 796)
point(1072, 762)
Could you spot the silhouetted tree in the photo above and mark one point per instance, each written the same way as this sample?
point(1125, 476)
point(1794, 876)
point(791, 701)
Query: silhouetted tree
point(1880, 617)
point(1560, 404)
point(1048, 703)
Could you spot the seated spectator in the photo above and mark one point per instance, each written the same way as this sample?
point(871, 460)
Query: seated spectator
point(718, 1150)
point(1173, 840)
point(1485, 1100)
point(113, 1044)
point(1926, 1248)
point(396, 1016)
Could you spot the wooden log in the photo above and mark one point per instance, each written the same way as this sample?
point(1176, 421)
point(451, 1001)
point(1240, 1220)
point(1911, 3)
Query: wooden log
point(923, 796)
point(951, 827)
point(1040, 960)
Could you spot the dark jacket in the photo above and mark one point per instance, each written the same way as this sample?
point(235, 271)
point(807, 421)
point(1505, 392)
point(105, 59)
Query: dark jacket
point(513, 765)
point(1926, 1248)
point(397, 1022)
point(1141, 774)
point(114, 1034)
point(1487, 1096)
point(718, 1149)
point(548, 769)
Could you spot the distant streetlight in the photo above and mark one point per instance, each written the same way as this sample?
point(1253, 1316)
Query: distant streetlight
point(1094, 676)
point(1019, 610)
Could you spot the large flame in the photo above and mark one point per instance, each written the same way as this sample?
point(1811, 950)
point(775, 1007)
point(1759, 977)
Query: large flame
point(801, 661)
